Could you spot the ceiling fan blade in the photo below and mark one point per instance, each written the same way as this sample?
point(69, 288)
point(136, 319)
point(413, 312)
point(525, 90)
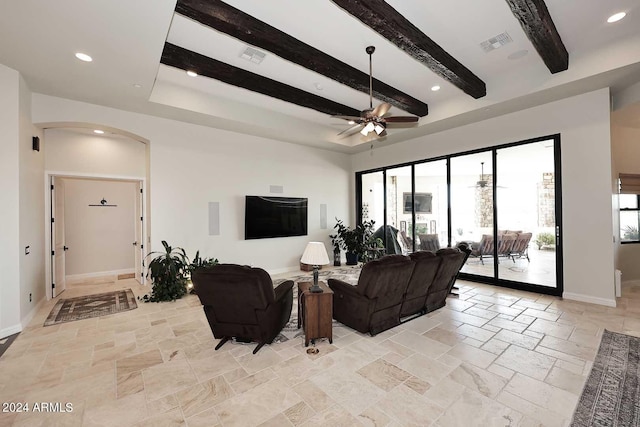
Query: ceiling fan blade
point(381, 109)
point(348, 118)
point(350, 130)
point(401, 119)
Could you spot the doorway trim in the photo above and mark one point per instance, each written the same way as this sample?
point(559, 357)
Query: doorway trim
point(48, 175)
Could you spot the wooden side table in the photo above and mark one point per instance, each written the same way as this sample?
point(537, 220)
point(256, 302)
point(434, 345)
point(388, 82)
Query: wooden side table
point(315, 312)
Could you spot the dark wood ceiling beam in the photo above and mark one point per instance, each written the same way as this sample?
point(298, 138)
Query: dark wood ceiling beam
point(389, 23)
point(229, 20)
point(178, 57)
point(537, 24)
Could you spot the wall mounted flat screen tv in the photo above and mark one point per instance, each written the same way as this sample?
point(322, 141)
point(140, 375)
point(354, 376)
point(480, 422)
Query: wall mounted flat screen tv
point(422, 203)
point(267, 217)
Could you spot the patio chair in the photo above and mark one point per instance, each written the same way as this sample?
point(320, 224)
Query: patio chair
point(505, 244)
point(429, 242)
point(521, 246)
point(483, 249)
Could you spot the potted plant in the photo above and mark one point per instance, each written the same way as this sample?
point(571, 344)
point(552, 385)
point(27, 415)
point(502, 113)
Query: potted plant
point(356, 241)
point(197, 263)
point(168, 271)
point(545, 239)
point(336, 242)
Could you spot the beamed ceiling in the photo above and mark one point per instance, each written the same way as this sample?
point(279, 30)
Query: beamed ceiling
point(489, 58)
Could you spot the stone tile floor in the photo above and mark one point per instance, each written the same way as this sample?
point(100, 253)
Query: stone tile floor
point(492, 357)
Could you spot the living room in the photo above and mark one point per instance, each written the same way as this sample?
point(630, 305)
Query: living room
point(190, 163)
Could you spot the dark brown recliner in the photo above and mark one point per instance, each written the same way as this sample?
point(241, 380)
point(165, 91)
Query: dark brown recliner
point(373, 305)
point(240, 301)
point(452, 260)
point(424, 272)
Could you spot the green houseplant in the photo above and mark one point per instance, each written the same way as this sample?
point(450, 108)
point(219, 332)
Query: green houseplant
point(355, 241)
point(545, 239)
point(168, 274)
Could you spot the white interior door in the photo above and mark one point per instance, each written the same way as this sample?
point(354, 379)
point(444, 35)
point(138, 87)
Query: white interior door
point(57, 201)
point(138, 244)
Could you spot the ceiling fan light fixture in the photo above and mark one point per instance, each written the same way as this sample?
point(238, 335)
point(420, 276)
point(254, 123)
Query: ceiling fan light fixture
point(378, 128)
point(370, 127)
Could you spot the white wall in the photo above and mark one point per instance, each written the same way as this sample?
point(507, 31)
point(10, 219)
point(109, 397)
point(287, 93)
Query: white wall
point(32, 234)
point(192, 165)
point(99, 238)
point(9, 203)
point(626, 153)
point(67, 151)
point(584, 124)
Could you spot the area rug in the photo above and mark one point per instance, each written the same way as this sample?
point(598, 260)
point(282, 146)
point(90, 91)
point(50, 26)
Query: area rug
point(611, 395)
point(346, 274)
point(68, 310)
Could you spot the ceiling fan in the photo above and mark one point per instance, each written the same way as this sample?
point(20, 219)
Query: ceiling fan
point(373, 119)
point(483, 183)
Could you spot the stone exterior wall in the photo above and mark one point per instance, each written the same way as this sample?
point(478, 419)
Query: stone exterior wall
point(484, 203)
point(546, 201)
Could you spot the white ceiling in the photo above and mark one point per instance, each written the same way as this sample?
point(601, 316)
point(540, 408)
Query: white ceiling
point(39, 38)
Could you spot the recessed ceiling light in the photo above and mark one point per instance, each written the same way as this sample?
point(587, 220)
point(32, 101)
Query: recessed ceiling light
point(137, 85)
point(98, 131)
point(351, 122)
point(435, 88)
point(191, 73)
point(83, 57)
point(616, 17)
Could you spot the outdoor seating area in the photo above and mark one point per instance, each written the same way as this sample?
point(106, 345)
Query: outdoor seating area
point(511, 245)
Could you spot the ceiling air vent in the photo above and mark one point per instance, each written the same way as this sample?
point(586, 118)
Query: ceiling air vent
point(496, 42)
point(253, 55)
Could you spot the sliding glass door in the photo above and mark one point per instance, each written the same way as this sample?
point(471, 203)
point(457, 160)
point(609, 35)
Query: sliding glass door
point(526, 213)
point(501, 201)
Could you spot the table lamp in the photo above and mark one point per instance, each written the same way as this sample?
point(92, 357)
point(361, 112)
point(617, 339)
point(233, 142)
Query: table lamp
point(315, 254)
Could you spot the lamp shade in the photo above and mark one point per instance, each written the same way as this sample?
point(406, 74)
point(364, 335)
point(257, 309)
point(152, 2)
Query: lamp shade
point(315, 254)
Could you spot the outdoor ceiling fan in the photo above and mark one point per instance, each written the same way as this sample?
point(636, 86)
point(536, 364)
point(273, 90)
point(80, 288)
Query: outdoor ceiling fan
point(483, 183)
point(373, 119)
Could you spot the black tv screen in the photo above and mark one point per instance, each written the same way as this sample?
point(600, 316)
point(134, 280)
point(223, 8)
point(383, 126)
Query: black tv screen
point(267, 217)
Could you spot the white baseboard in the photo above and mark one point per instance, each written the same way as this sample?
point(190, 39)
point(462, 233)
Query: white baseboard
point(78, 277)
point(10, 330)
point(631, 283)
point(27, 319)
point(589, 299)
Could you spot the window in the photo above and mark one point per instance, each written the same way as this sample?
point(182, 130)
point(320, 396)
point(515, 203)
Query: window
point(629, 218)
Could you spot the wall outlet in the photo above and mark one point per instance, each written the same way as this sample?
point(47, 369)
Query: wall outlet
point(27, 250)
point(29, 297)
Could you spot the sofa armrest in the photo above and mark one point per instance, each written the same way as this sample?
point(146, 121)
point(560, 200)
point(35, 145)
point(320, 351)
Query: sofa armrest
point(343, 287)
point(283, 288)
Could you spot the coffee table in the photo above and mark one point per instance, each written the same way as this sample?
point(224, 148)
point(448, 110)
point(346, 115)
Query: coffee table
point(315, 312)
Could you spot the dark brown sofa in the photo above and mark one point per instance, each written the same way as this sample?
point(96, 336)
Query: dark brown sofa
point(397, 288)
point(240, 302)
point(452, 261)
point(373, 305)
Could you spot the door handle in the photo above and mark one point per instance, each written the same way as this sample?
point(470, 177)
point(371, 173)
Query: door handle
point(65, 248)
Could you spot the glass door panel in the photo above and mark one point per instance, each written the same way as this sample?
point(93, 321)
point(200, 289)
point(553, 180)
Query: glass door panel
point(526, 213)
point(431, 221)
point(472, 210)
point(399, 210)
point(372, 198)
